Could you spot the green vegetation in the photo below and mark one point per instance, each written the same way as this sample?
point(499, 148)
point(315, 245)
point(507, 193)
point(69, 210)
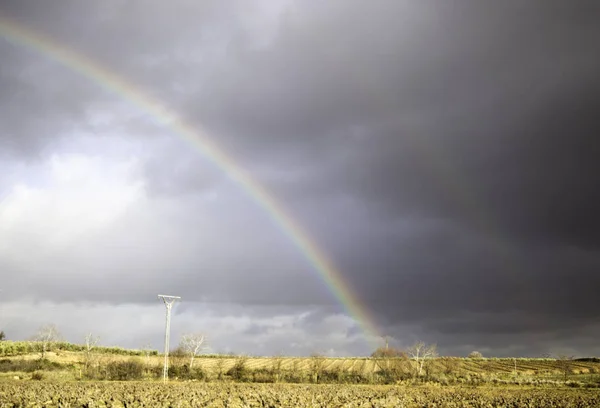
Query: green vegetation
point(16, 348)
point(29, 366)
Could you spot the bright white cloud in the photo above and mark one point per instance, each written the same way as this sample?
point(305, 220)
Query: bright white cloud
point(83, 196)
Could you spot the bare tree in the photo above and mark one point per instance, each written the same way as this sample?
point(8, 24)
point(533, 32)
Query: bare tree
point(192, 343)
point(393, 367)
point(276, 364)
point(383, 352)
point(46, 335)
point(147, 349)
point(317, 362)
point(421, 352)
point(90, 343)
point(450, 364)
point(391, 362)
point(565, 363)
point(220, 367)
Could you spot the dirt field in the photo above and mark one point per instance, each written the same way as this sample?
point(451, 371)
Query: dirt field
point(136, 394)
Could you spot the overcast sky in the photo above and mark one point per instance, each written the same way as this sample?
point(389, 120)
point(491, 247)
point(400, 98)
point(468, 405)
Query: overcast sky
point(445, 155)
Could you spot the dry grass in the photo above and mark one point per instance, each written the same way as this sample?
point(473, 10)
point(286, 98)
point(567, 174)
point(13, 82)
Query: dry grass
point(488, 369)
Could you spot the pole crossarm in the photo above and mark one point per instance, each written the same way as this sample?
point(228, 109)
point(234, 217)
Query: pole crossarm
point(168, 301)
point(169, 298)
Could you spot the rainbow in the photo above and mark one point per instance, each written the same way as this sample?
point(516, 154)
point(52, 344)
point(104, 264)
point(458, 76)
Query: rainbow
point(25, 37)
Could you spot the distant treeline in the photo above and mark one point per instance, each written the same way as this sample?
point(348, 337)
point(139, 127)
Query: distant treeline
point(15, 348)
point(588, 359)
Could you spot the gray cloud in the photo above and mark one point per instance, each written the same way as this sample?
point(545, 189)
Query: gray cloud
point(449, 122)
point(228, 328)
point(443, 155)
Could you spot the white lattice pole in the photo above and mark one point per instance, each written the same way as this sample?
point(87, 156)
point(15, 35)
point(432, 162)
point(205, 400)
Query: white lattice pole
point(168, 300)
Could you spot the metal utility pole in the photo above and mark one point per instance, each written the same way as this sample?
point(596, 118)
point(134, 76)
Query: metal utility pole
point(169, 300)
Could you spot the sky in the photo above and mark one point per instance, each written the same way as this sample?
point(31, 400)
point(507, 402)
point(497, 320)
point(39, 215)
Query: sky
point(442, 155)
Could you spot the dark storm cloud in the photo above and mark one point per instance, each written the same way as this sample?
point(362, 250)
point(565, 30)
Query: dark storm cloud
point(151, 45)
point(482, 116)
point(442, 281)
point(34, 111)
point(470, 111)
point(444, 154)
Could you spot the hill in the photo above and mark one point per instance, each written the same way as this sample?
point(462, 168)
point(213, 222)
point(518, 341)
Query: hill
point(66, 361)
